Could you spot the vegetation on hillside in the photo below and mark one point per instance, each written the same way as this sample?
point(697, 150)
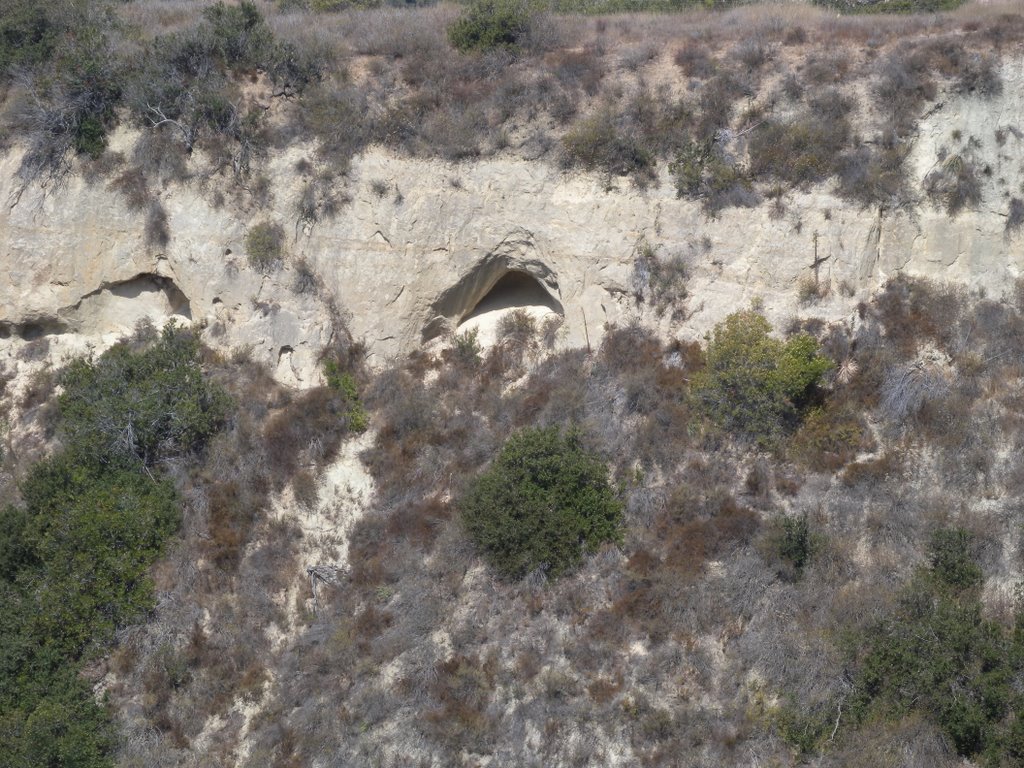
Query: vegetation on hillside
point(542, 505)
point(75, 554)
point(789, 545)
point(768, 104)
point(828, 594)
point(753, 384)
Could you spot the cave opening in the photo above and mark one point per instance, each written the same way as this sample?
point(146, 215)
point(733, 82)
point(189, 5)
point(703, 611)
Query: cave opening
point(515, 290)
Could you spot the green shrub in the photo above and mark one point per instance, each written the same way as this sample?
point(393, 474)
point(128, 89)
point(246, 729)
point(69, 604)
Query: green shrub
point(795, 543)
point(344, 383)
point(72, 106)
point(27, 34)
point(183, 82)
point(689, 167)
point(486, 25)
point(702, 172)
point(146, 405)
point(950, 560)
point(74, 558)
point(91, 137)
point(937, 654)
point(754, 385)
point(543, 504)
point(466, 347)
point(238, 34)
point(93, 529)
point(804, 728)
point(85, 539)
point(264, 245)
point(790, 544)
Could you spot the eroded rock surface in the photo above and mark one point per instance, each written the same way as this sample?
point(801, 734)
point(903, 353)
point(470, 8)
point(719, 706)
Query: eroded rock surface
point(405, 269)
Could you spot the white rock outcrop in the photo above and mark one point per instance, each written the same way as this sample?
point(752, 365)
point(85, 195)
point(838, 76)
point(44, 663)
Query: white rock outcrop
point(405, 267)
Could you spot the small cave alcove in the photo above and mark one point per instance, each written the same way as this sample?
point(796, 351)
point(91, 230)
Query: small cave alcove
point(513, 276)
point(516, 290)
point(513, 291)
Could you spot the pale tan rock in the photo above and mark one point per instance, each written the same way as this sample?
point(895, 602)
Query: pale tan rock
point(406, 271)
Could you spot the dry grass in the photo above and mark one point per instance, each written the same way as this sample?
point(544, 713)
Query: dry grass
point(389, 77)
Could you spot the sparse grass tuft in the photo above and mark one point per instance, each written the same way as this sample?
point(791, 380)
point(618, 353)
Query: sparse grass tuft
point(264, 246)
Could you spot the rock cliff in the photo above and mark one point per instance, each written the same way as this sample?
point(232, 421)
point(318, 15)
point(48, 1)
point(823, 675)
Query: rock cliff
point(419, 244)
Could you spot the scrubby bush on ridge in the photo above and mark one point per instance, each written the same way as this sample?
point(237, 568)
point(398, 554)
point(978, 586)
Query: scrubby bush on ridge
point(189, 86)
point(486, 25)
point(754, 385)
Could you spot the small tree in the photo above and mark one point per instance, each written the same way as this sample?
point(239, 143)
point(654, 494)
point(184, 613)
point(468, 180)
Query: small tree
point(544, 503)
point(754, 385)
point(489, 24)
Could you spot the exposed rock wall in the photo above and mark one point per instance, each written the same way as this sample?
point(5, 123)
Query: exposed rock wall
point(405, 266)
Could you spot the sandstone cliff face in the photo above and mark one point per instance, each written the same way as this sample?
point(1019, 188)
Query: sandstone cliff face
point(407, 266)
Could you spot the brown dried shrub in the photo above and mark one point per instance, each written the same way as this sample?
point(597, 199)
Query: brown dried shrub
point(830, 437)
point(873, 472)
point(310, 428)
point(694, 60)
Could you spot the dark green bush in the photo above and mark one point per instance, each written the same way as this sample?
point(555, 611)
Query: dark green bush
point(93, 530)
point(74, 557)
point(83, 541)
point(754, 385)
point(147, 405)
point(486, 25)
point(951, 561)
point(543, 504)
point(27, 34)
point(790, 544)
point(795, 542)
point(938, 655)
